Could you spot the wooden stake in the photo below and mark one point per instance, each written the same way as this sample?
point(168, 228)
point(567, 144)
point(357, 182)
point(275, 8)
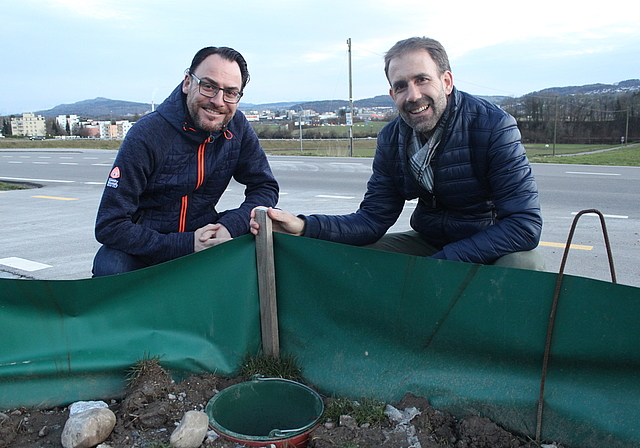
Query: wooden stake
point(267, 285)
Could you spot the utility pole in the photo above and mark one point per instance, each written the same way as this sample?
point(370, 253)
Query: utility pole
point(555, 126)
point(300, 124)
point(350, 114)
point(626, 132)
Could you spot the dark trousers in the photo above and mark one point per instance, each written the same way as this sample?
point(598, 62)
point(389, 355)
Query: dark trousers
point(411, 243)
point(110, 261)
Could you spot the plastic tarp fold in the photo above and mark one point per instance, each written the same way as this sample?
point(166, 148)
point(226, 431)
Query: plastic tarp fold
point(67, 340)
point(360, 322)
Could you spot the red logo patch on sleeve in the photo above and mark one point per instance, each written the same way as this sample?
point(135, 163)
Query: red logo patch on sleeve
point(115, 173)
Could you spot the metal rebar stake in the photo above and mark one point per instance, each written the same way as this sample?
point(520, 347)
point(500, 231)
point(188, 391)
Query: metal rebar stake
point(554, 306)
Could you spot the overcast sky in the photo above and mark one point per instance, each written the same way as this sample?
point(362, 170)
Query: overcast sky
point(63, 51)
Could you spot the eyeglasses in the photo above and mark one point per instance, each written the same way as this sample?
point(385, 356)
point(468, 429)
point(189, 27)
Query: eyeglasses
point(211, 90)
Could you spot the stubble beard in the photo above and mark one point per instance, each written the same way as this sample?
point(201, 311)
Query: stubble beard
point(424, 125)
point(193, 107)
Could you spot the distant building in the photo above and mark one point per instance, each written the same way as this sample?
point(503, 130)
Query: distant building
point(111, 130)
point(28, 125)
point(122, 127)
point(68, 123)
point(252, 117)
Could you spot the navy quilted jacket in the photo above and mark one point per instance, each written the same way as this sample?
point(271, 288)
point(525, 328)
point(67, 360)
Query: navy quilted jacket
point(168, 177)
point(485, 199)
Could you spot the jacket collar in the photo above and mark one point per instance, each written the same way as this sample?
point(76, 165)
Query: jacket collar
point(174, 110)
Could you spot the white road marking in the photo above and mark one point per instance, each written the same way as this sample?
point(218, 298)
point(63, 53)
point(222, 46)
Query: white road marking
point(39, 180)
point(23, 265)
point(333, 197)
point(593, 174)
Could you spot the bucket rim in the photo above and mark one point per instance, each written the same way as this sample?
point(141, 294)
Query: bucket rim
point(275, 434)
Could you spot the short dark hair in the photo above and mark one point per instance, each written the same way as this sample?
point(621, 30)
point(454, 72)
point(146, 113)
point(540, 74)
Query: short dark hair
point(226, 53)
point(435, 49)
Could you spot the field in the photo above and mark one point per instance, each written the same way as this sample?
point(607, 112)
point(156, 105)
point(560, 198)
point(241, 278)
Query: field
point(365, 147)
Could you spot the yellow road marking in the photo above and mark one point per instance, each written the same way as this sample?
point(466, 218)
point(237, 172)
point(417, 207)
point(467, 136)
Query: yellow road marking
point(573, 246)
point(53, 197)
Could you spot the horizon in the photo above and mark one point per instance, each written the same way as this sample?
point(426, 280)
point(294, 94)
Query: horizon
point(246, 104)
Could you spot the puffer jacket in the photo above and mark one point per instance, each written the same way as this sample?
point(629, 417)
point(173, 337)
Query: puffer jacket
point(485, 199)
point(168, 177)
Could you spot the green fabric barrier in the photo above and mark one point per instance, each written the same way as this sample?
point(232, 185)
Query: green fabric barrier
point(471, 338)
point(63, 341)
point(360, 322)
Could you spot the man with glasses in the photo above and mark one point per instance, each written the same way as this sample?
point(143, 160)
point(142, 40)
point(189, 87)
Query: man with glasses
point(159, 202)
point(459, 155)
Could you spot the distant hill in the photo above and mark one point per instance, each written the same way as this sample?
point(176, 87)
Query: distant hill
point(98, 108)
point(630, 85)
point(321, 106)
point(104, 108)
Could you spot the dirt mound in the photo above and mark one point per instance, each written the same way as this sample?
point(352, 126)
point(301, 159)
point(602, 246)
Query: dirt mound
point(154, 404)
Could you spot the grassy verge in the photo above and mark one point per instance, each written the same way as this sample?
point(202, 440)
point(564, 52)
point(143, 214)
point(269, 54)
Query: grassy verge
point(4, 186)
point(623, 156)
point(13, 143)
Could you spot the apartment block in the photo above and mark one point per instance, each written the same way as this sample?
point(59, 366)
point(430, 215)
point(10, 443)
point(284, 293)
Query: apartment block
point(28, 125)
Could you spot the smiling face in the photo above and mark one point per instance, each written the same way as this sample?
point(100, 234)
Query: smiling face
point(419, 90)
point(211, 114)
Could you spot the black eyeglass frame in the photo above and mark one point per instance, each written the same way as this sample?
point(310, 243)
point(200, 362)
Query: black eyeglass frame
point(238, 94)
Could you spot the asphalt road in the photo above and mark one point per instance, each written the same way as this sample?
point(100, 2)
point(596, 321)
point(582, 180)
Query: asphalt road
point(47, 233)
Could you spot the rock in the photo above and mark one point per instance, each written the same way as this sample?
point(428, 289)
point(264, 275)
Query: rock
point(348, 421)
point(212, 436)
point(88, 428)
point(191, 431)
point(81, 406)
point(154, 415)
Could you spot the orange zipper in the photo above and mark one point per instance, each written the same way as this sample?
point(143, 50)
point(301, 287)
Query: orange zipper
point(182, 225)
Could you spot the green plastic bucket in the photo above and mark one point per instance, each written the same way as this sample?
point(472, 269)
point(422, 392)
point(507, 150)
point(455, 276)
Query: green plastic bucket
point(266, 411)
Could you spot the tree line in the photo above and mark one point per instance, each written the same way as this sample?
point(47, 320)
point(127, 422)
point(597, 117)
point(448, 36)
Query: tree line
point(579, 119)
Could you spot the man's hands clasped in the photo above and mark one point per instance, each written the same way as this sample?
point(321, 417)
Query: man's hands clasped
point(209, 236)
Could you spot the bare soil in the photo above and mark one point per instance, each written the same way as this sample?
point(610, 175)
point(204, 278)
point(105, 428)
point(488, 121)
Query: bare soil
point(154, 404)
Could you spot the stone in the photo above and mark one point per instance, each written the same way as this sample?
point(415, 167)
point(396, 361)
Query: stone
point(81, 406)
point(88, 428)
point(191, 431)
point(348, 421)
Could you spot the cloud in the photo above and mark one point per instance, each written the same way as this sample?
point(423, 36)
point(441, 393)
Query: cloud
point(94, 9)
